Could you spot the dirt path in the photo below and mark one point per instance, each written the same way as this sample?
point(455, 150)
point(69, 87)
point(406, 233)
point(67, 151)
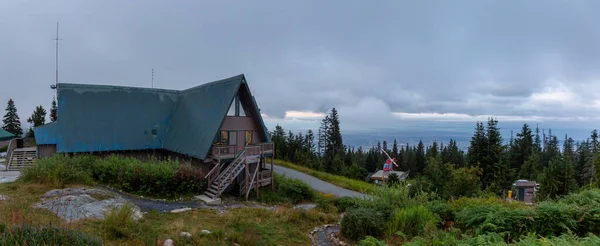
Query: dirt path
point(149, 204)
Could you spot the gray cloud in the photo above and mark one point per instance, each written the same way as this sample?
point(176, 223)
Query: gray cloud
point(467, 57)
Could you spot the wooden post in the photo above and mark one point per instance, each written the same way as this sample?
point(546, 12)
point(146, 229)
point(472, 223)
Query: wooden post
point(272, 177)
point(247, 177)
point(257, 182)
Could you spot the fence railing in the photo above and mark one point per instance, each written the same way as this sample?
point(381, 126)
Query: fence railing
point(229, 151)
point(267, 147)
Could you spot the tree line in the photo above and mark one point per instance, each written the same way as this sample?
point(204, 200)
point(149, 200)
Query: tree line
point(490, 163)
point(12, 122)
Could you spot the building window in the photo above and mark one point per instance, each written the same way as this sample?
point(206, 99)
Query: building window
point(224, 137)
point(231, 111)
point(248, 137)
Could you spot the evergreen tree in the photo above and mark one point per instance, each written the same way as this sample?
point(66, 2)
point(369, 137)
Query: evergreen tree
point(521, 148)
point(432, 151)
point(53, 111)
point(595, 145)
point(537, 142)
point(279, 141)
point(310, 142)
point(530, 168)
point(420, 157)
point(477, 147)
point(568, 150)
point(495, 171)
point(38, 118)
point(11, 120)
point(439, 174)
point(557, 179)
point(584, 163)
point(551, 149)
point(395, 150)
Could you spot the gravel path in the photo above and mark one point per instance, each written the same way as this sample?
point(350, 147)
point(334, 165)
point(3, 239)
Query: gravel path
point(148, 204)
point(317, 184)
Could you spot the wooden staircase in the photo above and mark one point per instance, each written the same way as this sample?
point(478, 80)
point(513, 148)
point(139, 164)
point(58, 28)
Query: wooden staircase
point(21, 158)
point(227, 176)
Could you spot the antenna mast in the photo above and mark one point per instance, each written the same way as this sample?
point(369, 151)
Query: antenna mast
point(153, 78)
point(56, 62)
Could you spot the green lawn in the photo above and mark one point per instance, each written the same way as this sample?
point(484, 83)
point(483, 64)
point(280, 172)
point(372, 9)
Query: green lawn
point(348, 183)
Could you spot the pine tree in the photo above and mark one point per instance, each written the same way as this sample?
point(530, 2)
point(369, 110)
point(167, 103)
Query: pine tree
point(521, 148)
point(568, 150)
point(557, 179)
point(11, 120)
point(395, 149)
point(420, 157)
point(38, 118)
point(537, 142)
point(310, 142)
point(475, 153)
point(279, 142)
point(530, 168)
point(494, 169)
point(53, 111)
point(584, 163)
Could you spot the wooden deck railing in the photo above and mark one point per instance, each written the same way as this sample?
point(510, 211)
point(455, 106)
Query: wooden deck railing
point(267, 148)
point(252, 150)
point(229, 151)
point(223, 151)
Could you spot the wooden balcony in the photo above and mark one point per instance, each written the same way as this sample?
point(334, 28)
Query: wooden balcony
point(221, 152)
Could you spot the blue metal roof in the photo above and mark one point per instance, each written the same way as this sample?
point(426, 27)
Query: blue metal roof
point(110, 118)
point(5, 135)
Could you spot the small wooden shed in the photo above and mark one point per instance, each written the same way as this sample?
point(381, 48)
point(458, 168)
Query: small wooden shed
point(525, 190)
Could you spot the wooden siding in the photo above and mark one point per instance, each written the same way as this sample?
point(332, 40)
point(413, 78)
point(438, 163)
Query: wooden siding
point(46, 150)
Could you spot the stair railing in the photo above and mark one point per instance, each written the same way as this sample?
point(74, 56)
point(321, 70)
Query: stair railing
point(230, 167)
point(214, 173)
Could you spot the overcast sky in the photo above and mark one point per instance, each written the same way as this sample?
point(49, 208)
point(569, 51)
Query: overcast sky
point(380, 63)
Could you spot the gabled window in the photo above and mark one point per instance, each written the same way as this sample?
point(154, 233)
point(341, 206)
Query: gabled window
point(231, 111)
point(237, 108)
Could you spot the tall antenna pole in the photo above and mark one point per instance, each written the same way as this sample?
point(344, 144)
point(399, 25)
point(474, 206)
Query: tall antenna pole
point(153, 78)
point(57, 39)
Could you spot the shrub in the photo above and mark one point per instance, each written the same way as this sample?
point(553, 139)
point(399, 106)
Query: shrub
point(361, 222)
point(444, 210)
point(58, 171)
point(295, 190)
point(371, 241)
point(119, 223)
point(27, 235)
point(412, 221)
point(553, 219)
point(287, 190)
point(344, 203)
point(162, 179)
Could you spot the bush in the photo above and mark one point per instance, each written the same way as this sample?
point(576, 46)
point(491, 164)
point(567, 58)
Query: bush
point(161, 179)
point(371, 241)
point(119, 223)
point(412, 221)
point(295, 190)
point(287, 190)
point(59, 171)
point(27, 235)
point(344, 203)
point(361, 222)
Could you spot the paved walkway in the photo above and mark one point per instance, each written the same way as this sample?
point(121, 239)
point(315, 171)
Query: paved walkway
point(317, 184)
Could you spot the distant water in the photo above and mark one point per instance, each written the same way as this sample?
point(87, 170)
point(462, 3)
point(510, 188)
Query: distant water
point(442, 132)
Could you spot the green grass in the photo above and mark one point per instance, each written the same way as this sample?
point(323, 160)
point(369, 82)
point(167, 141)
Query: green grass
point(243, 226)
point(348, 183)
